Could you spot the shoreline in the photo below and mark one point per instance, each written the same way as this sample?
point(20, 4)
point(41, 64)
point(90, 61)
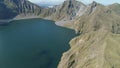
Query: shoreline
point(57, 23)
point(7, 21)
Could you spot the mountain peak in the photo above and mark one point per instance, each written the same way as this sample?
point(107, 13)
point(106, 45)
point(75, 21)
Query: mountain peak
point(116, 4)
point(94, 4)
point(69, 9)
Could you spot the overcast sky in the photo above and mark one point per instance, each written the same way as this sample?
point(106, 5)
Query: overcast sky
point(55, 2)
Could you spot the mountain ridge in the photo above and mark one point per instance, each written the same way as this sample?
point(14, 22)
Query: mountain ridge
point(99, 30)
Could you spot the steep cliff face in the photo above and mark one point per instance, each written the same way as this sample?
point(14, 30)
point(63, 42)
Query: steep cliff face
point(98, 44)
point(68, 10)
point(21, 8)
point(5, 11)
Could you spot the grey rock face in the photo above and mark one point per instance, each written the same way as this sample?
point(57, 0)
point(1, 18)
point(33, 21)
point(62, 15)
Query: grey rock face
point(68, 10)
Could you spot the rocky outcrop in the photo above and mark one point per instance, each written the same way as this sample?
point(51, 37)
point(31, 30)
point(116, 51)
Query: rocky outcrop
point(68, 10)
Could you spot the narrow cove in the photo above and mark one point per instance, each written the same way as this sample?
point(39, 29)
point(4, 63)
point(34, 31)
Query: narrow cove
point(33, 43)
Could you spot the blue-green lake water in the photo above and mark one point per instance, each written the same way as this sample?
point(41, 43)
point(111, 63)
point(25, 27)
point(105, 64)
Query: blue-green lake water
point(33, 43)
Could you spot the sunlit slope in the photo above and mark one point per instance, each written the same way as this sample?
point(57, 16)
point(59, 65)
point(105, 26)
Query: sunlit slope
point(93, 50)
point(98, 45)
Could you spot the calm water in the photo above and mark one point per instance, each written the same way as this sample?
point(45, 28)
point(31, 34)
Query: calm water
point(33, 43)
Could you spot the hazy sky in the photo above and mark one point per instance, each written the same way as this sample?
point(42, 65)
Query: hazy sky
point(105, 2)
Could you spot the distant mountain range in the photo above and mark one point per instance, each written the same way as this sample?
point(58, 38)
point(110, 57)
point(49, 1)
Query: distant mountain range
point(97, 46)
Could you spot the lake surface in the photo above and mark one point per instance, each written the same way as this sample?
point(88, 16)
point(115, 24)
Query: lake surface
point(33, 43)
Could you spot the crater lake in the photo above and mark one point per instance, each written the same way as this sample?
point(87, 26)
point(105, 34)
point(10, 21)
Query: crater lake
point(33, 43)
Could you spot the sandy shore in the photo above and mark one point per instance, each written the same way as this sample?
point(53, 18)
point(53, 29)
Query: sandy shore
point(25, 17)
point(19, 17)
point(5, 21)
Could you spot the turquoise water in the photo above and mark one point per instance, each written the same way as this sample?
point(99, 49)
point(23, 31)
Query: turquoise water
point(33, 43)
